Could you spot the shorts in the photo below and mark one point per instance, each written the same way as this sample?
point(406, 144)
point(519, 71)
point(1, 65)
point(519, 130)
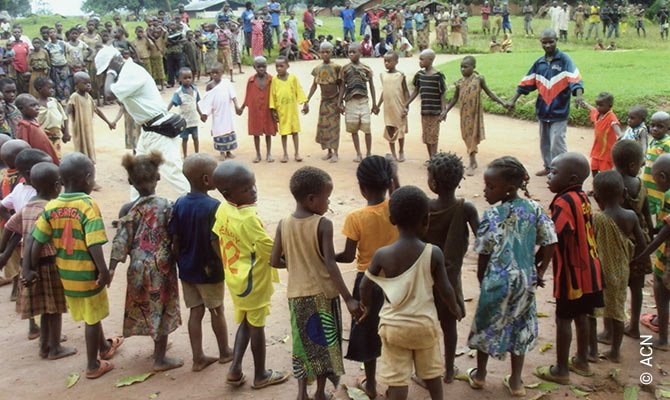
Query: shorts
point(486, 24)
point(254, 317)
point(197, 294)
point(430, 128)
point(507, 25)
point(247, 39)
point(191, 131)
point(390, 39)
point(357, 115)
point(397, 363)
point(91, 310)
point(601, 165)
point(570, 309)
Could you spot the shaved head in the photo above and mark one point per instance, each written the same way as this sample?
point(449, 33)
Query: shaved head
point(196, 165)
point(230, 174)
point(75, 167)
point(43, 176)
point(573, 164)
point(548, 33)
point(10, 149)
point(428, 53)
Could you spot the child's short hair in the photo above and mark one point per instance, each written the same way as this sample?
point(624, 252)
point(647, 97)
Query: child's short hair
point(470, 59)
point(27, 158)
point(608, 185)
point(606, 97)
point(640, 110)
point(375, 173)
point(4, 82)
point(184, 70)
point(139, 28)
point(282, 59)
point(625, 152)
point(143, 169)
point(446, 169)
point(41, 82)
point(514, 171)
point(408, 205)
point(216, 65)
point(308, 180)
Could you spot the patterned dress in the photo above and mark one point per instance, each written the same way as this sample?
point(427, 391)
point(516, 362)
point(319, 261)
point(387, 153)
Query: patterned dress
point(328, 128)
point(472, 112)
point(152, 295)
point(506, 317)
point(257, 38)
point(268, 43)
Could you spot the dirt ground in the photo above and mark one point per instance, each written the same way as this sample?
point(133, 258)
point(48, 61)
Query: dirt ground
point(25, 372)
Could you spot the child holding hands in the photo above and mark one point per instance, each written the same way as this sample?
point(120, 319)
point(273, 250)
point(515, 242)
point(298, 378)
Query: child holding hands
point(217, 102)
point(52, 118)
point(637, 130)
point(187, 98)
point(394, 95)
point(659, 125)
point(607, 131)
point(257, 99)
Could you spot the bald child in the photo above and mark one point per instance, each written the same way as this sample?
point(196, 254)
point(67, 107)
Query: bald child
point(244, 245)
point(200, 269)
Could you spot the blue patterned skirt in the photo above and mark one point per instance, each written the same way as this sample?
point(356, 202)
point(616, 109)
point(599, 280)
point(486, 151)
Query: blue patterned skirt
point(225, 143)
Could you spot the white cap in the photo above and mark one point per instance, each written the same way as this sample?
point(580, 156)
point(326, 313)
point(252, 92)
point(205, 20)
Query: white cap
point(103, 58)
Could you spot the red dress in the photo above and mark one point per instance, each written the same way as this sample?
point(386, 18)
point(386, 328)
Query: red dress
point(31, 132)
point(258, 103)
point(604, 138)
point(257, 38)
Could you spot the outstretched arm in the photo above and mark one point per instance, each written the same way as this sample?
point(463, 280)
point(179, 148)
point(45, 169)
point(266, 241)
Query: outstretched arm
point(471, 216)
point(349, 253)
point(453, 100)
point(490, 93)
point(415, 93)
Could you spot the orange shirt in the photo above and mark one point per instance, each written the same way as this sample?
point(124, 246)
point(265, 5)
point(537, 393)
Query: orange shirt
point(304, 46)
point(371, 227)
point(604, 136)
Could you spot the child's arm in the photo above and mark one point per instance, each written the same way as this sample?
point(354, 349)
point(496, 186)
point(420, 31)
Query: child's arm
point(349, 253)
point(415, 93)
point(471, 216)
point(325, 235)
point(120, 113)
point(100, 265)
point(617, 130)
point(276, 260)
point(587, 105)
point(28, 273)
point(203, 117)
point(661, 237)
point(312, 90)
point(482, 263)
point(405, 89)
point(453, 100)
point(375, 109)
point(640, 240)
point(647, 217)
point(444, 288)
point(10, 244)
point(172, 104)
point(340, 96)
point(237, 107)
point(381, 101)
point(547, 253)
point(112, 125)
point(443, 106)
point(490, 93)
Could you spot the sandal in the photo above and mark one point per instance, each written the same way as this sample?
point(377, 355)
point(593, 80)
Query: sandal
point(105, 366)
point(516, 393)
point(578, 371)
point(276, 377)
point(361, 385)
point(544, 373)
point(237, 382)
point(645, 319)
point(473, 383)
point(115, 343)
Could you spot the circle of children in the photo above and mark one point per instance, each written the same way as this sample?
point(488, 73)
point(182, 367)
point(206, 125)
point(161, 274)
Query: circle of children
point(409, 248)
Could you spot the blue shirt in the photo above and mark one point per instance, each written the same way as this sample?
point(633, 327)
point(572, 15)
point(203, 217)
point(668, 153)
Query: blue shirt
point(275, 16)
point(408, 20)
point(192, 221)
point(348, 17)
point(247, 16)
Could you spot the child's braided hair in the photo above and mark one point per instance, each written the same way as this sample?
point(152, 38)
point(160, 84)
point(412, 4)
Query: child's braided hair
point(446, 169)
point(374, 172)
point(513, 171)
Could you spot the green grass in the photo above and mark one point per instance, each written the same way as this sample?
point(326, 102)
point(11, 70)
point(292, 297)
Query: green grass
point(633, 77)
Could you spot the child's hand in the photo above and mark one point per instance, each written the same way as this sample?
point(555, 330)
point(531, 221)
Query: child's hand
point(355, 308)
point(112, 125)
point(275, 117)
point(405, 111)
point(305, 108)
point(28, 277)
point(103, 279)
point(203, 117)
point(111, 277)
point(66, 137)
point(509, 105)
point(364, 314)
point(341, 107)
point(375, 109)
point(443, 115)
point(239, 111)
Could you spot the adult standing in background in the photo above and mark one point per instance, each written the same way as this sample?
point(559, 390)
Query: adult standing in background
point(486, 22)
point(605, 17)
point(614, 16)
point(408, 28)
point(275, 9)
point(348, 16)
point(309, 22)
point(555, 16)
point(528, 18)
point(594, 19)
point(421, 31)
point(247, 16)
point(225, 15)
point(183, 13)
point(398, 21)
point(374, 14)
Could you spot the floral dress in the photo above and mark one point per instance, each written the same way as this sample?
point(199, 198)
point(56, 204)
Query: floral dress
point(506, 317)
point(152, 294)
point(268, 43)
point(257, 38)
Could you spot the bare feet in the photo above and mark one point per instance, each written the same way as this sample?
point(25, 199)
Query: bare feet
point(61, 352)
point(269, 159)
point(284, 159)
point(167, 363)
point(334, 158)
point(358, 158)
point(328, 156)
point(401, 157)
point(630, 331)
point(230, 155)
point(199, 365)
point(470, 171)
point(222, 156)
point(609, 356)
point(257, 159)
point(605, 338)
point(297, 157)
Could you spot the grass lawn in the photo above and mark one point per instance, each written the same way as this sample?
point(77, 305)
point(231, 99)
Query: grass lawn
point(633, 77)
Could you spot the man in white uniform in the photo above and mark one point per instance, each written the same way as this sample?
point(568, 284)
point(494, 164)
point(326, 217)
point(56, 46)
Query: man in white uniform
point(132, 85)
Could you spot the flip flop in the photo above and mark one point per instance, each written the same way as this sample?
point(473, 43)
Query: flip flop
point(361, 385)
point(544, 373)
point(516, 393)
point(645, 319)
point(115, 343)
point(105, 366)
point(578, 371)
point(276, 377)
point(33, 335)
point(473, 383)
point(237, 382)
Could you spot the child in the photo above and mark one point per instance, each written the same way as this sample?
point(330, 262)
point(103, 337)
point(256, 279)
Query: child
point(456, 39)
point(394, 95)
point(52, 118)
point(448, 229)
point(366, 46)
point(506, 45)
point(293, 24)
point(86, 295)
point(304, 245)
point(661, 173)
point(211, 40)
point(468, 91)
point(354, 80)
point(223, 52)
point(191, 51)
point(613, 228)
point(285, 95)
point(381, 48)
point(144, 46)
point(38, 65)
point(43, 293)
point(367, 229)
point(599, 45)
point(287, 48)
point(405, 47)
point(327, 77)
point(152, 294)
point(406, 271)
point(29, 129)
point(429, 83)
point(157, 51)
point(659, 144)
point(578, 280)
point(237, 225)
point(637, 130)
point(200, 272)
point(187, 98)
point(257, 98)
point(217, 103)
point(612, 46)
point(494, 46)
point(12, 114)
point(628, 158)
point(607, 132)
point(388, 31)
point(80, 109)
point(506, 317)
point(306, 52)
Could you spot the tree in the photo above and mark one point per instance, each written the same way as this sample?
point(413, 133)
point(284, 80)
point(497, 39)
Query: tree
point(107, 6)
point(16, 7)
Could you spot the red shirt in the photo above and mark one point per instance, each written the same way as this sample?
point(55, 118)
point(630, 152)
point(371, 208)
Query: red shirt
point(32, 133)
point(21, 51)
point(258, 102)
point(184, 17)
point(604, 136)
point(374, 18)
point(308, 19)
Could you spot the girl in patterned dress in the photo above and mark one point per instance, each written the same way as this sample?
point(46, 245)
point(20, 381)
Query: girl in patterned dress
point(152, 296)
point(506, 317)
point(256, 36)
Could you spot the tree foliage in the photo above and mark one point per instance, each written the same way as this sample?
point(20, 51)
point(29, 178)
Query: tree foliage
point(16, 7)
point(108, 6)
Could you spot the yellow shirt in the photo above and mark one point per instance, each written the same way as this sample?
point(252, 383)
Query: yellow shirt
point(371, 227)
point(245, 252)
point(285, 97)
point(594, 16)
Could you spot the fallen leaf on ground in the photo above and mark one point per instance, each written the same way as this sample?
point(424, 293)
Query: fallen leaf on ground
point(468, 299)
point(646, 294)
point(129, 380)
point(578, 392)
point(153, 395)
point(355, 393)
point(543, 386)
point(461, 378)
point(472, 353)
point(72, 379)
point(546, 347)
point(664, 393)
point(539, 396)
point(630, 392)
point(542, 315)
point(284, 339)
point(614, 372)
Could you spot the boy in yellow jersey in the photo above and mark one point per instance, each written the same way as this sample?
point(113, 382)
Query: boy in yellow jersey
point(74, 224)
point(245, 247)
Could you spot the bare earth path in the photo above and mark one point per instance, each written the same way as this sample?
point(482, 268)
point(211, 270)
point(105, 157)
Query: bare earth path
point(25, 375)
